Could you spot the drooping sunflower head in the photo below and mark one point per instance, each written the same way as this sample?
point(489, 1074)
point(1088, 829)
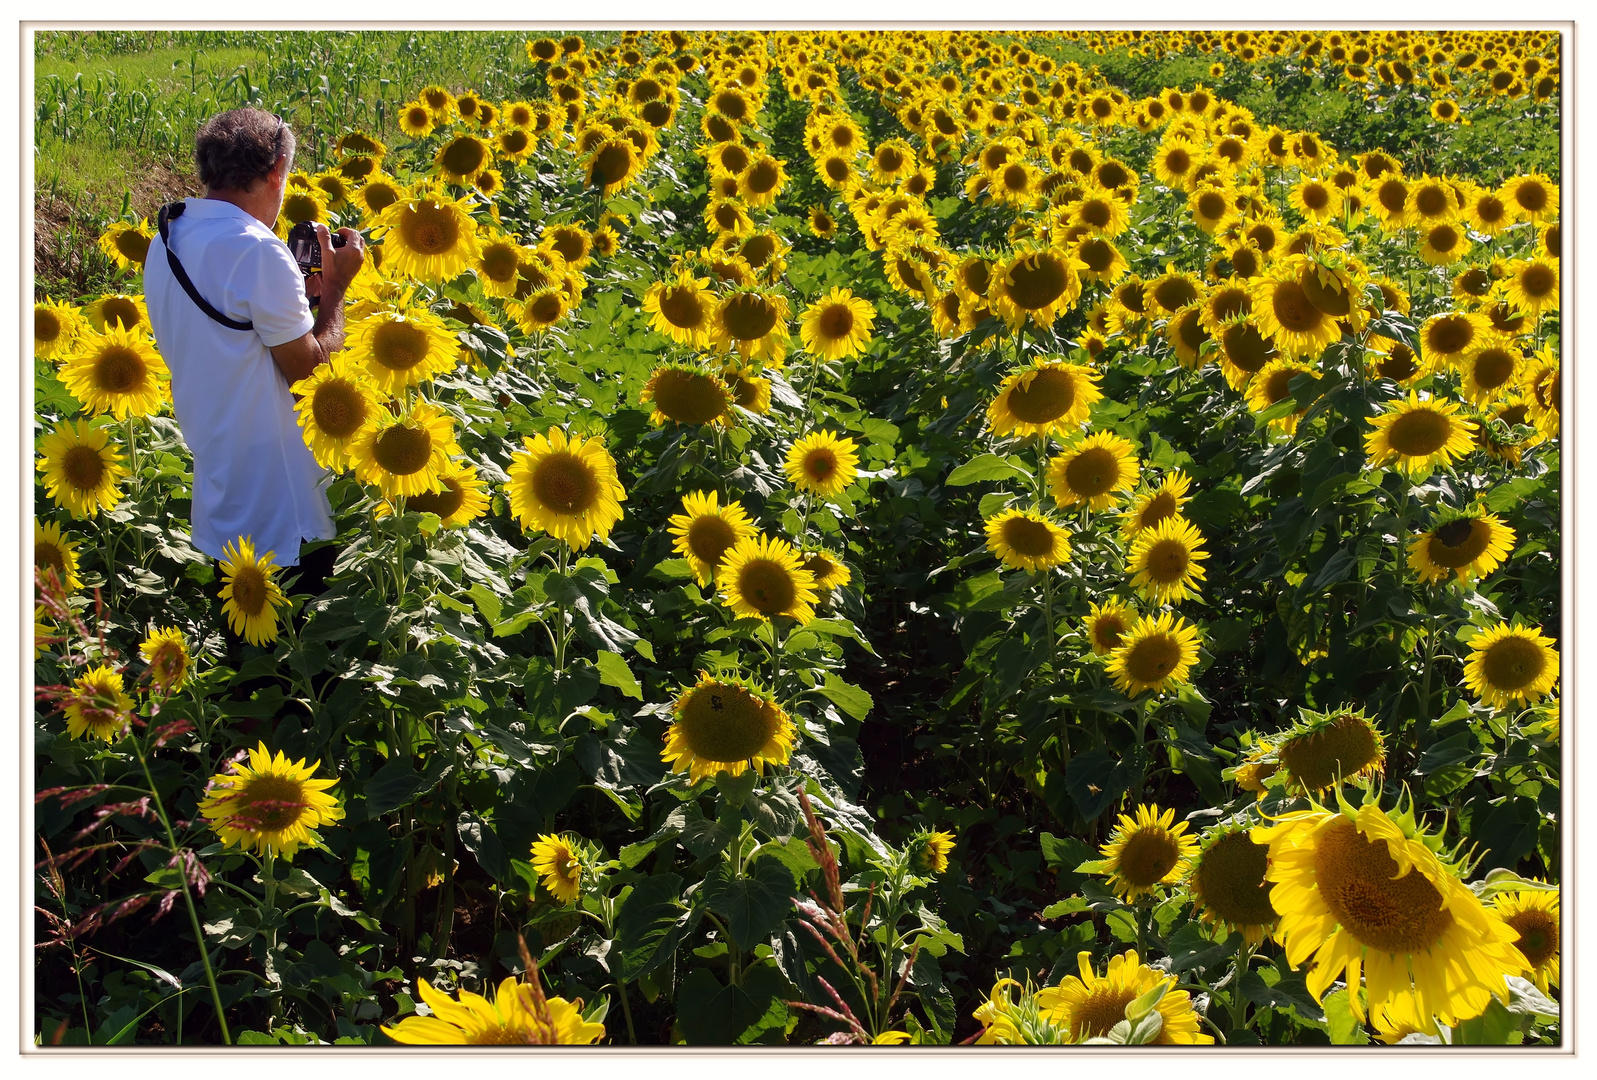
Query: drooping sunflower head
point(127, 243)
point(827, 569)
point(566, 486)
point(559, 862)
point(1035, 285)
point(822, 464)
point(1050, 397)
point(1511, 664)
point(55, 552)
point(167, 655)
point(1093, 470)
point(1324, 749)
point(1464, 545)
point(97, 706)
point(1416, 436)
point(1154, 654)
point(1108, 623)
point(56, 326)
point(271, 805)
point(726, 725)
point(118, 310)
point(1534, 916)
point(928, 851)
point(686, 394)
point(1227, 883)
point(1026, 540)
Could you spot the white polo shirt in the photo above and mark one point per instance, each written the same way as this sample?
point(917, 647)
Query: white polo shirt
point(253, 474)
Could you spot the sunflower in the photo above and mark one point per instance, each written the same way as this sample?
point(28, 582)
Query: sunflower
point(1146, 852)
point(97, 706)
point(1091, 469)
point(1448, 337)
point(1153, 654)
point(127, 243)
point(1491, 370)
point(81, 470)
point(1532, 285)
point(416, 119)
point(52, 550)
point(1325, 749)
point(685, 394)
point(56, 327)
point(542, 309)
point(1363, 893)
point(752, 322)
point(761, 181)
point(560, 865)
point(827, 569)
point(567, 487)
point(336, 403)
point(1397, 1020)
point(1050, 397)
point(1164, 560)
point(725, 725)
point(838, 325)
point(1286, 313)
point(1533, 197)
point(1273, 383)
point(1316, 199)
point(1173, 290)
point(1107, 623)
point(250, 593)
point(460, 498)
point(611, 165)
point(118, 309)
point(167, 655)
point(1542, 384)
point(1418, 436)
point(761, 577)
point(519, 1015)
point(498, 266)
point(404, 455)
point(301, 203)
point(1534, 915)
point(822, 464)
point(271, 805)
point(1462, 545)
point(1036, 284)
point(1174, 162)
point(749, 391)
point(1227, 884)
point(1509, 664)
point(1187, 335)
point(822, 223)
point(427, 237)
point(1027, 541)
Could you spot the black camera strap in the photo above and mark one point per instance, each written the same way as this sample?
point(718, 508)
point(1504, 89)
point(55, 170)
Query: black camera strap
point(175, 210)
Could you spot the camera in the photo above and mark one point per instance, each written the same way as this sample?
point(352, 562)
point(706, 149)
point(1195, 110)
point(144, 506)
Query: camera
point(306, 249)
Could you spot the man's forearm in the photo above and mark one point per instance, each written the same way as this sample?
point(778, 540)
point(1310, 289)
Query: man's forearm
point(328, 329)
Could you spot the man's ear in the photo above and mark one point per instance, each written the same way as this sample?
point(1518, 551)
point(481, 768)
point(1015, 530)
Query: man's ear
point(280, 170)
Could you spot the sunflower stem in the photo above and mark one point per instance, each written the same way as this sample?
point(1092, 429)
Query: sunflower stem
point(188, 900)
point(1239, 1004)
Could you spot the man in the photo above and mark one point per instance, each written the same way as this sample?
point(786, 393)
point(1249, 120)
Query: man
point(253, 474)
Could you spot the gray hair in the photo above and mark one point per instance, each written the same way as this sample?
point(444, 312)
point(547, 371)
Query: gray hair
point(238, 147)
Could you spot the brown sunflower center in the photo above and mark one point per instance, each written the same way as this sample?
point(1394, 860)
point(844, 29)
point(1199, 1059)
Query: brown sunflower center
point(709, 537)
point(1326, 297)
point(1531, 196)
point(820, 464)
point(1358, 880)
point(1107, 630)
point(338, 408)
point(1279, 384)
point(1419, 432)
point(83, 468)
point(1399, 364)
point(133, 245)
point(1538, 935)
point(1449, 334)
point(1475, 282)
point(1212, 205)
point(1230, 881)
point(300, 206)
point(1029, 538)
point(46, 325)
point(731, 104)
point(544, 308)
point(1038, 281)
point(1104, 1007)
point(611, 164)
point(47, 556)
point(1111, 174)
point(1098, 254)
point(1093, 472)
point(1178, 161)
point(1189, 328)
point(1153, 658)
point(764, 176)
point(767, 586)
point(429, 229)
point(837, 169)
point(402, 450)
point(443, 503)
point(1147, 855)
point(1316, 197)
point(1393, 196)
point(119, 311)
point(748, 316)
point(380, 196)
point(1513, 663)
point(889, 159)
point(168, 663)
point(836, 322)
point(1161, 506)
point(1459, 542)
point(1538, 281)
point(249, 589)
point(1245, 347)
point(1431, 201)
point(758, 249)
point(565, 483)
point(1490, 209)
point(119, 370)
point(1294, 310)
point(465, 156)
point(1168, 561)
point(501, 262)
point(689, 397)
point(1443, 238)
point(725, 722)
point(399, 346)
point(269, 803)
point(1493, 367)
point(1048, 396)
point(1343, 748)
point(1174, 293)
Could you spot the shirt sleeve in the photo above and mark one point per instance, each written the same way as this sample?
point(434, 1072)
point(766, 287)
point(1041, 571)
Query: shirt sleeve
point(276, 298)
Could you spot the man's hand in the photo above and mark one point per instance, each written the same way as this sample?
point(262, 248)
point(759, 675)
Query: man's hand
point(297, 359)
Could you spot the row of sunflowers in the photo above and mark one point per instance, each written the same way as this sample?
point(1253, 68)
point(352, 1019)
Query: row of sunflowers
point(814, 510)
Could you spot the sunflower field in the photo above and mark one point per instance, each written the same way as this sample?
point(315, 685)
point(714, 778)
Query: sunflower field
point(844, 538)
